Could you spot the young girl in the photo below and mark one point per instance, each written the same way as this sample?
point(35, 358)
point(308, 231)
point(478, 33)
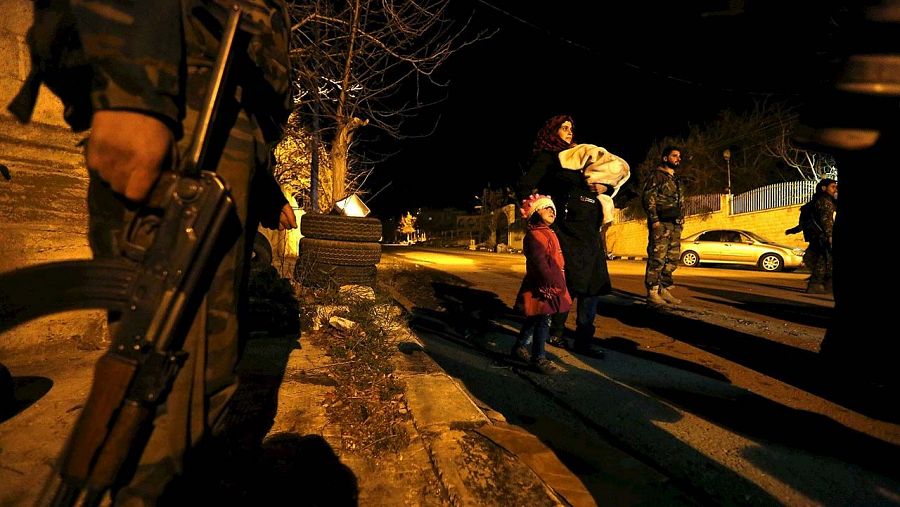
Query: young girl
point(543, 290)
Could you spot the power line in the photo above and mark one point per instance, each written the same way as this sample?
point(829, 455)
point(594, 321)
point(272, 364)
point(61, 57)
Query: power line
point(661, 75)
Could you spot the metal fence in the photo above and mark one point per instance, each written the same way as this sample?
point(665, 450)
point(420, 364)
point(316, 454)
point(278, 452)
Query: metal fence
point(776, 195)
point(699, 204)
point(693, 205)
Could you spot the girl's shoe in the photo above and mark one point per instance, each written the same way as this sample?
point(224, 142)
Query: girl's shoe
point(546, 366)
point(521, 353)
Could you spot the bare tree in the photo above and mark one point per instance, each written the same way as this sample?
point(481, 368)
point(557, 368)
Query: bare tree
point(810, 165)
point(368, 63)
point(751, 138)
point(760, 153)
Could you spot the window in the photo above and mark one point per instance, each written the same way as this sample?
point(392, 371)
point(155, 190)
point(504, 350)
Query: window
point(731, 237)
point(709, 236)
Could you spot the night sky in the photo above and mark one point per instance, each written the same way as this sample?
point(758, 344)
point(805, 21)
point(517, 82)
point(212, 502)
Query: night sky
point(628, 74)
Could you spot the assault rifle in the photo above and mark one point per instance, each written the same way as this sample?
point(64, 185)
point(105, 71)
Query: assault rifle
point(154, 286)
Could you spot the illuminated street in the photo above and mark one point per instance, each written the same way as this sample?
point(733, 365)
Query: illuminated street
point(724, 397)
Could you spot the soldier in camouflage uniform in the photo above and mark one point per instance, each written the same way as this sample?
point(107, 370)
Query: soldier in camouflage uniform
point(817, 230)
point(136, 73)
point(663, 203)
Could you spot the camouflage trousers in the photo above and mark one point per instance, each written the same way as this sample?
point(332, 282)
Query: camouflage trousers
point(663, 254)
point(206, 382)
point(818, 260)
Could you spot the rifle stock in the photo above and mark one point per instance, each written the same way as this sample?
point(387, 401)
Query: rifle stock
point(186, 213)
point(93, 424)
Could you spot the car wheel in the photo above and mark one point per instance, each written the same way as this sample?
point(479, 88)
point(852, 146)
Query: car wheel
point(690, 258)
point(771, 262)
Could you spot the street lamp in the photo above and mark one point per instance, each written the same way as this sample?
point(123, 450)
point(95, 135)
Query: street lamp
point(727, 156)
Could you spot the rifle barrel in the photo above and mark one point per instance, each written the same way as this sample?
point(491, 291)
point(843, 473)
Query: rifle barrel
point(199, 142)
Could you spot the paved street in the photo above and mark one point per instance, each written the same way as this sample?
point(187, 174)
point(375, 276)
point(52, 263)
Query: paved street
point(724, 397)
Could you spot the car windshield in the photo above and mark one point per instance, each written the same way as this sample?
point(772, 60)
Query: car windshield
point(757, 237)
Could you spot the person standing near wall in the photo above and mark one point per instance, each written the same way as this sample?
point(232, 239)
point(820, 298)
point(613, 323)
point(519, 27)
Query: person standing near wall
point(817, 227)
point(663, 203)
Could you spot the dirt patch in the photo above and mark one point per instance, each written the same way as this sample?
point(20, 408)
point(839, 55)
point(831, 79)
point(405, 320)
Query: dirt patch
point(367, 401)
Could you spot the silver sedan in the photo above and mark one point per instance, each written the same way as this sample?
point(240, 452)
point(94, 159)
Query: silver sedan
point(731, 246)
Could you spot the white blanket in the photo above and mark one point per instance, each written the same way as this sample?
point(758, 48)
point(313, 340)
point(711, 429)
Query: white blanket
point(598, 166)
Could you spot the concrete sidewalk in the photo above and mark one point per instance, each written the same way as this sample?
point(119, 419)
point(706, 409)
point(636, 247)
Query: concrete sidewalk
point(460, 453)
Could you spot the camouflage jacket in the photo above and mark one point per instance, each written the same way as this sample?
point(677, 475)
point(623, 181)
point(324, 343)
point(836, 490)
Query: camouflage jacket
point(109, 54)
point(662, 198)
point(821, 219)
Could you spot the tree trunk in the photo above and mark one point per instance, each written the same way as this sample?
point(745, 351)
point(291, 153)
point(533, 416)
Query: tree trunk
point(314, 164)
point(340, 149)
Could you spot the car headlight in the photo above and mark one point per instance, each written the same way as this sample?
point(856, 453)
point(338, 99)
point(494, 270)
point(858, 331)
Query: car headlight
point(799, 251)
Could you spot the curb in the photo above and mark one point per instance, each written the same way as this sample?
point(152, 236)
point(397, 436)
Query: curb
point(443, 427)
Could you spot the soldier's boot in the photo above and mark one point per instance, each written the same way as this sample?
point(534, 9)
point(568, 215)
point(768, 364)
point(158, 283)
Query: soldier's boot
point(815, 288)
point(653, 296)
point(668, 296)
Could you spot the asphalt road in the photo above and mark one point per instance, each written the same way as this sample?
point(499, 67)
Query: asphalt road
point(722, 400)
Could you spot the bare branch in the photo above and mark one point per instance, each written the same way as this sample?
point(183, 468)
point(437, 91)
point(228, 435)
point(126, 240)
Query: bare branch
point(370, 62)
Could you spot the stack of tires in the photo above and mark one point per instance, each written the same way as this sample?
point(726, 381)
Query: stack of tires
point(338, 250)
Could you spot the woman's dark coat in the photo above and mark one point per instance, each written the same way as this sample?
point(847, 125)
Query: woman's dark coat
point(577, 225)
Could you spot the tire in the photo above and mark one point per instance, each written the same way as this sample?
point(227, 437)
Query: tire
point(690, 258)
point(340, 228)
point(338, 253)
point(262, 251)
point(771, 262)
point(323, 275)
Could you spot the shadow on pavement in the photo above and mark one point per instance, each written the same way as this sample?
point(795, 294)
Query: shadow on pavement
point(784, 440)
point(473, 313)
point(467, 326)
point(803, 369)
point(26, 391)
point(306, 470)
point(240, 466)
point(579, 442)
point(800, 313)
point(761, 419)
point(626, 346)
point(471, 310)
